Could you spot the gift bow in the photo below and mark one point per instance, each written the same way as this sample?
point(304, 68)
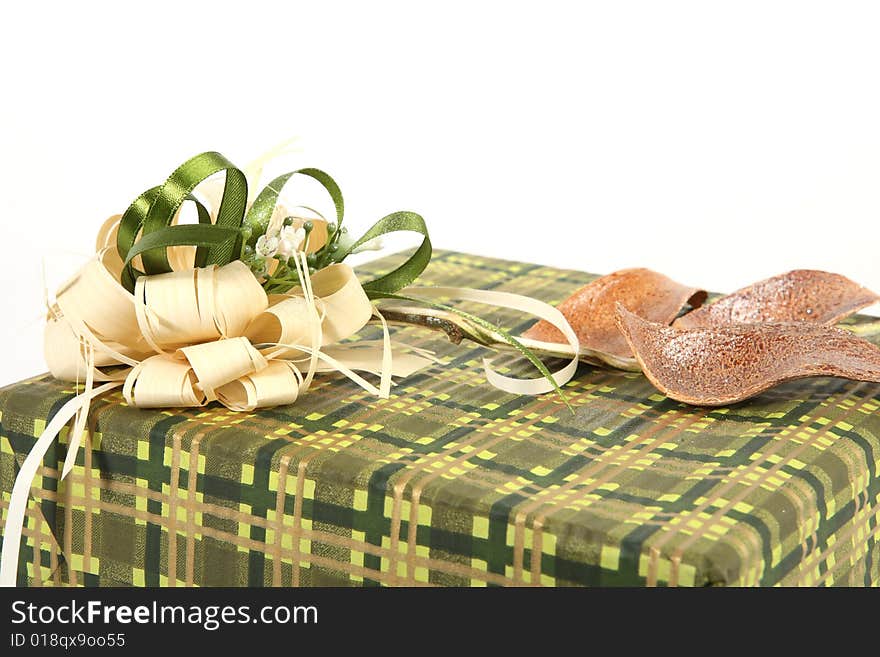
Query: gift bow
point(195, 326)
point(186, 338)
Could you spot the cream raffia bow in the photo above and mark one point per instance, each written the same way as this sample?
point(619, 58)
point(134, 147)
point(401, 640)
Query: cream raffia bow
point(190, 337)
point(202, 334)
point(195, 335)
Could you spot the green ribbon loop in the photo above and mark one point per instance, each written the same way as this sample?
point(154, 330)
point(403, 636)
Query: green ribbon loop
point(410, 270)
point(129, 226)
point(184, 235)
point(133, 220)
point(145, 228)
point(152, 212)
point(261, 210)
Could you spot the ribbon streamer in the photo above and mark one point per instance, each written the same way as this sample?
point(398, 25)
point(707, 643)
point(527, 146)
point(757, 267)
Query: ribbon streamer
point(534, 386)
point(21, 488)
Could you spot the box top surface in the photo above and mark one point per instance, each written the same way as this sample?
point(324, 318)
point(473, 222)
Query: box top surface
point(632, 488)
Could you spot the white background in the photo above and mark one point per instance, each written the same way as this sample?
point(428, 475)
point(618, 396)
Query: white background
point(719, 143)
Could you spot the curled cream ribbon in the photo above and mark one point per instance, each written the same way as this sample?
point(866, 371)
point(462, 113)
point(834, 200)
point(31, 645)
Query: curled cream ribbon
point(197, 335)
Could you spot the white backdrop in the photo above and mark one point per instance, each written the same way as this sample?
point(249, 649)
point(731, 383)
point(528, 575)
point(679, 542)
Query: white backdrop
point(718, 143)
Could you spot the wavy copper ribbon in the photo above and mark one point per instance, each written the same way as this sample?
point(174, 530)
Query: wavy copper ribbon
point(591, 312)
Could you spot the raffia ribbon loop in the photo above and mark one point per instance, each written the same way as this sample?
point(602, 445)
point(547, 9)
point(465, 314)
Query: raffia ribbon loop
point(277, 384)
point(239, 298)
point(92, 306)
point(65, 355)
point(161, 381)
point(94, 297)
point(197, 305)
point(192, 375)
point(217, 363)
point(287, 321)
point(346, 306)
point(343, 310)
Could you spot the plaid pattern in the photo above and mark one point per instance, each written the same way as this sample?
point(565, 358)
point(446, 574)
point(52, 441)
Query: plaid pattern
point(452, 482)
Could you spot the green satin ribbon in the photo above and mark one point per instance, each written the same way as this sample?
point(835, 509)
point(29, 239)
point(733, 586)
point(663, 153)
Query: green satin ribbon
point(150, 216)
point(409, 270)
point(261, 210)
point(130, 225)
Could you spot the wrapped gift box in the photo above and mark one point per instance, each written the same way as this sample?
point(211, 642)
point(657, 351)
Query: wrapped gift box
point(453, 482)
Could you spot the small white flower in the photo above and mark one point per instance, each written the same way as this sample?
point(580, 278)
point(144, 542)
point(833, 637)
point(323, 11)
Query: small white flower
point(285, 249)
point(295, 236)
point(293, 233)
point(291, 241)
point(266, 246)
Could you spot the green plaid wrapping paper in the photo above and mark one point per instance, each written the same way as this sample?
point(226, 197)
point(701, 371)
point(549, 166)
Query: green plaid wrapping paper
point(452, 482)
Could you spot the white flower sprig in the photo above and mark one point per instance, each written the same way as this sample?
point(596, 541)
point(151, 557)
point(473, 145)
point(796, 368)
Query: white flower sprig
point(267, 246)
point(279, 245)
point(290, 241)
